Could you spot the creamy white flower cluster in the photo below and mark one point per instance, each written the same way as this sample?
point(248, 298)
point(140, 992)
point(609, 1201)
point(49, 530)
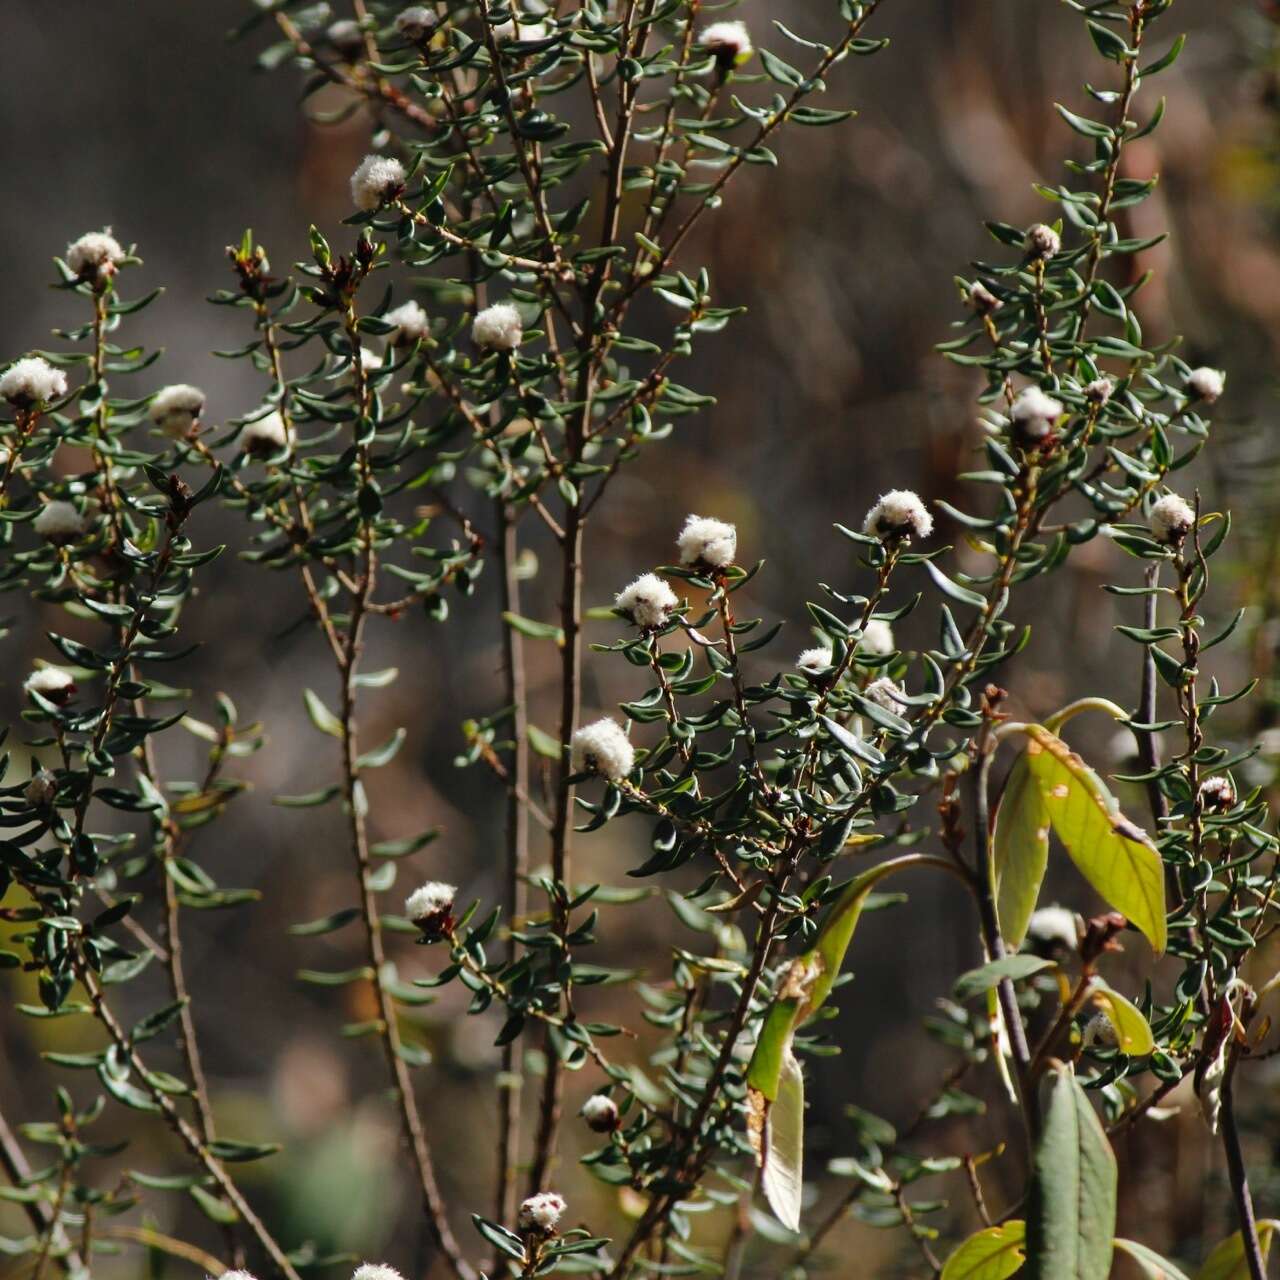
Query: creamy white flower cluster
point(542, 1213)
point(31, 381)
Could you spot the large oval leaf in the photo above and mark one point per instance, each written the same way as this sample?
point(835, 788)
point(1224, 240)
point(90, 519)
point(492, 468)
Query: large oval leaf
point(1019, 851)
point(1227, 1261)
point(1152, 1265)
point(993, 1254)
point(1071, 1219)
point(1115, 856)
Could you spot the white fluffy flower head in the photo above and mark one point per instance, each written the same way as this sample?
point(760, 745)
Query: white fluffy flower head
point(377, 180)
point(604, 748)
point(498, 328)
point(885, 694)
point(52, 683)
point(238, 1275)
point(1171, 519)
point(1034, 413)
point(1054, 926)
point(542, 1212)
point(876, 638)
point(95, 256)
point(707, 541)
point(1206, 384)
point(410, 321)
point(177, 408)
point(376, 1271)
point(899, 514)
point(32, 380)
point(1043, 241)
point(1099, 391)
point(1100, 1030)
point(41, 789)
point(416, 22)
point(648, 601)
point(265, 435)
point(435, 898)
point(815, 661)
point(729, 41)
point(59, 521)
point(601, 1113)
point(1218, 792)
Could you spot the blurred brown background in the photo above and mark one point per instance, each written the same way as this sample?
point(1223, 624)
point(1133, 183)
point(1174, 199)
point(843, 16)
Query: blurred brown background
point(141, 116)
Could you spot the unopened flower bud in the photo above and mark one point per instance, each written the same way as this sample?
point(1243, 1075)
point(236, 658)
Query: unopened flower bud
point(1099, 391)
point(1042, 241)
point(982, 300)
point(1100, 1031)
point(601, 1113)
point(346, 37)
point(1218, 793)
point(416, 22)
point(39, 792)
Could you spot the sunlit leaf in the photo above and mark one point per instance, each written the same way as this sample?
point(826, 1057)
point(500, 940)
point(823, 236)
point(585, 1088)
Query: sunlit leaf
point(1227, 1261)
point(1132, 1030)
point(1020, 851)
point(782, 1177)
point(993, 1254)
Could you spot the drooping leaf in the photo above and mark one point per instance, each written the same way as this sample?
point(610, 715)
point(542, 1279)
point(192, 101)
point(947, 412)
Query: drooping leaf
point(1132, 1030)
point(993, 1254)
point(976, 981)
point(1071, 1215)
point(1020, 851)
point(1115, 856)
point(1150, 1263)
point(782, 1176)
point(321, 716)
point(1227, 1261)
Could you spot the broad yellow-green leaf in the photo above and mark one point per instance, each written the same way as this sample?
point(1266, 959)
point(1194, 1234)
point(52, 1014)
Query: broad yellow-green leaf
point(1151, 1264)
point(1227, 1261)
point(993, 1254)
point(782, 1177)
point(1115, 856)
point(1019, 850)
point(1132, 1030)
point(1071, 1218)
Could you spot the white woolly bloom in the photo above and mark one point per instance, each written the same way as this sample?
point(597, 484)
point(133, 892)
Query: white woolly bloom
point(1054, 926)
point(604, 748)
point(498, 328)
point(707, 541)
point(265, 435)
point(729, 41)
point(176, 409)
point(1099, 391)
point(238, 1275)
point(346, 36)
point(431, 899)
point(410, 321)
point(1171, 519)
point(416, 22)
point(59, 521)
point(96, 255)
point(1218, 792)
point(1034, 413)
point(899, 514)
point(32, 380)
point(52, 683)
point(876, 639)
point(1043, 241)
point(376, 180)
point(648, 601)
point(542, 1212)
point(814, 661)
point(376, 1271)
point(370, 359)
point(522, 27)
point(1206, 384)
point(886, 694)
point(601, 1113)
point(982, 300)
